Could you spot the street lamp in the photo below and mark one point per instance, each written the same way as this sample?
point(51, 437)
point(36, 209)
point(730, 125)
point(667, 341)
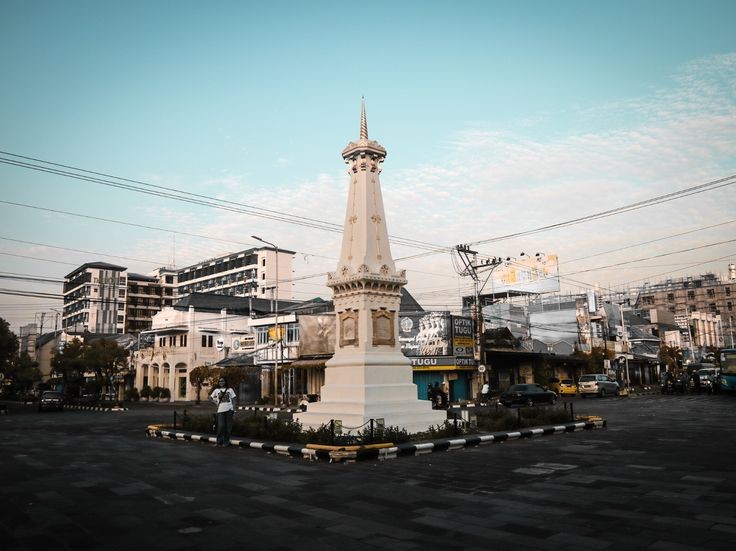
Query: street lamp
point(278, 331)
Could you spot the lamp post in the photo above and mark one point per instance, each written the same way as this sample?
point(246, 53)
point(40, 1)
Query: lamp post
point(278, 330)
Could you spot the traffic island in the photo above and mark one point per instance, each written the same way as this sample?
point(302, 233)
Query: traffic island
point(382, 451)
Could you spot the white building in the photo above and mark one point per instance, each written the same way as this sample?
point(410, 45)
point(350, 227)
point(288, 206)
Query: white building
point(95, 299)
point(249, 273)
point(201, 329)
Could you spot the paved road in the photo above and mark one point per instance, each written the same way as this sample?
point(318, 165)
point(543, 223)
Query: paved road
point(662, 476)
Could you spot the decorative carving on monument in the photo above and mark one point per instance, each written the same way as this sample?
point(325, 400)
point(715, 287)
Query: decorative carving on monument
point(383, 327)
point(363, 269)
point(348, 328)
point(384, 270)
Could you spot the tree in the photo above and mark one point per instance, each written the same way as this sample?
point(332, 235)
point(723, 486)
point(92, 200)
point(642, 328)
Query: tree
point(25, 373)
point(8, 346)
point(69, 364)
point(670, 357)
point(107, 359)
point(595, 358)
point(200, 376)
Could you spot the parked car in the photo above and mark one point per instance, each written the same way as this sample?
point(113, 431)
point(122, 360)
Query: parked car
point(708, 379)
point(598, 385)
point(553, 384)
point(527, 394)
point(51, 400)
point(567, 387)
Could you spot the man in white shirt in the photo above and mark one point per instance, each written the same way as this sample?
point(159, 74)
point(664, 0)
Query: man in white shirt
point(224, 397)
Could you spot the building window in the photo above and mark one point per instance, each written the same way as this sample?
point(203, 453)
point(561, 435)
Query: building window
point(712, 308)
point(671, 297)
point(121, 319)
point(263, 262)
point(728, 291)
point(121, 293)
point(209, 341)
point(162, 341)
point(262, 335)
point(183, 340)
point(204, 341)
point(711, 293)
point(292, 333)
point(691, 295)
point(172, 340)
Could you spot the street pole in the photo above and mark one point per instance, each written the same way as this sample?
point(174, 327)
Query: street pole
point(278, 330)
point(625, 337)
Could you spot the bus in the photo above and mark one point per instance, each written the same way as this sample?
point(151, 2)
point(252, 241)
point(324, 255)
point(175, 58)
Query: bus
point(728, 369)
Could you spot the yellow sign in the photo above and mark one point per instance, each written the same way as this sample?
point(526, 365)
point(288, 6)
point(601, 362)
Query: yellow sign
point(276, 333)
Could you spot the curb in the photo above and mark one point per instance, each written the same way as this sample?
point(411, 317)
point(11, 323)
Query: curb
point(350, 453)
point(271, 409)
point(94, 408)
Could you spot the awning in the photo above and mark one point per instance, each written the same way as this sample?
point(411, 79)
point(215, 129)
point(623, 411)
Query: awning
point(308, 364)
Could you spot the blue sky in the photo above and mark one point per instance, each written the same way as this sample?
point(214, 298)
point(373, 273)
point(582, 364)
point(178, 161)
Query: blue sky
point(497, 117)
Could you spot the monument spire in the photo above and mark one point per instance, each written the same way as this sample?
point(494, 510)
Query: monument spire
point(363, 122)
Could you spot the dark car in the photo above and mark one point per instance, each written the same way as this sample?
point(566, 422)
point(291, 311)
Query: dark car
point(527, 394)
point(51, 400)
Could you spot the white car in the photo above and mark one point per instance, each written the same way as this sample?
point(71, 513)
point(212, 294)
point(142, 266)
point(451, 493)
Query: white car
point(598, 385)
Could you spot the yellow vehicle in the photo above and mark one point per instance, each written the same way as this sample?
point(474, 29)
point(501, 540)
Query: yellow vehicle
point(567, 388)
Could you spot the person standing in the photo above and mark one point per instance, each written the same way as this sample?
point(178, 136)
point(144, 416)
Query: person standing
point(224, 397)
point(484, 392)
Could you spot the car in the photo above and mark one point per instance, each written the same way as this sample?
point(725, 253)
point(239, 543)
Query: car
point(708, 379)
point(553, 384)
point(567, 387)
point(527, 394)
point(51, 400)
point(598, 385)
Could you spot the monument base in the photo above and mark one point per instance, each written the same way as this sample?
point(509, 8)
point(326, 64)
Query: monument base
point(393, 401)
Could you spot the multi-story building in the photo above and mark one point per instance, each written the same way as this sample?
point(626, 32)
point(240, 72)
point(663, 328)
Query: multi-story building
point(706, 294)
point(95, 298)
point(167, 279)
point(144, 301)
point(249, 273)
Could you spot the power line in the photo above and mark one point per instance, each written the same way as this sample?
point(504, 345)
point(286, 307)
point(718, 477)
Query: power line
point(184, 196)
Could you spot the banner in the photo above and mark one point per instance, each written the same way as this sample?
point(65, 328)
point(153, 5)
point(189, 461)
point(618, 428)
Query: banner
point(425, 334)
point(527, 275)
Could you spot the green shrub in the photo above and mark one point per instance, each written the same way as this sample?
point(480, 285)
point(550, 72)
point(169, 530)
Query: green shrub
point(131, 395)
point(146, 392)
point(156, 392)
point(165, 394)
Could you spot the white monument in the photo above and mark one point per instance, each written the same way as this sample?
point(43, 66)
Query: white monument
point(368, 377)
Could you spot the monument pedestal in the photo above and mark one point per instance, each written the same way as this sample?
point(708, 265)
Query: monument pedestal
point(356, 392)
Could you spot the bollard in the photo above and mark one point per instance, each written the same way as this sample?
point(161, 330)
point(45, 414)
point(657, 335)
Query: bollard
point(332, 432)
point(174, 419)
point(372, 437)
point(572, 414)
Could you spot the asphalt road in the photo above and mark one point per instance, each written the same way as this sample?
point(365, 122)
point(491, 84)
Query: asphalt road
point(662, 476)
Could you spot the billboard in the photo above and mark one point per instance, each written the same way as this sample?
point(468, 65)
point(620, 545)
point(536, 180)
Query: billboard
point(462, 337)
point(425, 334)
point(527, 275)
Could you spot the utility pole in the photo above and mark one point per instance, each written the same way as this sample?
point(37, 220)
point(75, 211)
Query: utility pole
point(471, 267)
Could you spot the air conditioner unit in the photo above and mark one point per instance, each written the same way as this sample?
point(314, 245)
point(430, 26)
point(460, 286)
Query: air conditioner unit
point(236, 344)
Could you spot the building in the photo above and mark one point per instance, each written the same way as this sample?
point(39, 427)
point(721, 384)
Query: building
point(144, 300)
point(249, 273)
point(200, 329)
point(95, 299)
point(705, 294)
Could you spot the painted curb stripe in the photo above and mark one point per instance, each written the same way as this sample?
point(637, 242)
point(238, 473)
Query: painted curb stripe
point(296, 450)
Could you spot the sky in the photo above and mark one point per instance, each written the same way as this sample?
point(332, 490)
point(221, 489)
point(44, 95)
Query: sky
point(498, 118)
